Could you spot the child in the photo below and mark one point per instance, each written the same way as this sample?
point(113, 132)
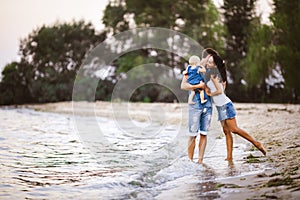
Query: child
point(194, 71)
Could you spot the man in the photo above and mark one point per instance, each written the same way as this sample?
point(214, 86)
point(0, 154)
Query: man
point(199, 114)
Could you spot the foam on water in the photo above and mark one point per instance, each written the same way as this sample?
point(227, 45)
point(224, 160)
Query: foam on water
point(41, 156)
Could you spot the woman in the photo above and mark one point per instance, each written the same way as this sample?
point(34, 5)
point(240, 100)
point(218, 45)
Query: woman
point(217, 77)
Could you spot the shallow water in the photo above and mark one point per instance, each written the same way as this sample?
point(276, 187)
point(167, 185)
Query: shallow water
point(42, 157)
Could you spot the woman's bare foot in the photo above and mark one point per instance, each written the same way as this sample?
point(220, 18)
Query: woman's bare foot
point(228, 159)
point(261, 148)
point(230, 164)
point(200, 161)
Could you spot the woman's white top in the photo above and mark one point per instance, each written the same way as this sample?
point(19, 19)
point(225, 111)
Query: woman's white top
point(220, 99)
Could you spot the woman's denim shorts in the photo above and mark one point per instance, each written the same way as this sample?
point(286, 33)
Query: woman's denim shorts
point(226, 111)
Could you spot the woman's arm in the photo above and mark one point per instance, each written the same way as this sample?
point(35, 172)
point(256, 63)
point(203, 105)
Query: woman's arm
point(217, 85)
point(186, 86)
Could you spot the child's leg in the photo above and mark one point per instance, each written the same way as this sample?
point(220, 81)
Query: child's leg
point(191, 97)
point(203, 100)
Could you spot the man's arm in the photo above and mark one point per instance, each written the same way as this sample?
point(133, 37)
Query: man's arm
point(186, 86)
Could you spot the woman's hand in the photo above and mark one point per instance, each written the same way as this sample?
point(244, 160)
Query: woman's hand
point(207, 90)
point(214, 78)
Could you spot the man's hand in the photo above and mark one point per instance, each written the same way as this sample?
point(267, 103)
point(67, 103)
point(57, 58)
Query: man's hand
point(201, 85)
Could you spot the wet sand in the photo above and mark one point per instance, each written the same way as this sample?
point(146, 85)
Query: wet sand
point(277, 126)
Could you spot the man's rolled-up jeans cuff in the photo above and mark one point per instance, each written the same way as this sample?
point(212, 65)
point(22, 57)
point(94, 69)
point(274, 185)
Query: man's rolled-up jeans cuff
point(203, 132)
point(192, 134)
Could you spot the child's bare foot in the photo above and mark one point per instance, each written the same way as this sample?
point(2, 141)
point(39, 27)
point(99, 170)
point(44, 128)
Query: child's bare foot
point(261, 148)
point(203, 101)
point(192, 103)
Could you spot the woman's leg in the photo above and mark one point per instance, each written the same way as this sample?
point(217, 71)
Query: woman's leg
point(191, 147)
point(202, 146)
point(232, 125)
point(229, 140)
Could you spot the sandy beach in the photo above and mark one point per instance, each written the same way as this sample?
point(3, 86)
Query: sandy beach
point(275, 125)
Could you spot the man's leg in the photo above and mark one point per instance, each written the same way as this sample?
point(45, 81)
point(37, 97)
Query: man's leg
point(202, 146)
point(191, 147)
point(204, 122)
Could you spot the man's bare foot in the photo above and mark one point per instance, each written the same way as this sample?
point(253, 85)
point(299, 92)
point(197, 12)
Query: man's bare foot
point(203, 101)
point(261, 148)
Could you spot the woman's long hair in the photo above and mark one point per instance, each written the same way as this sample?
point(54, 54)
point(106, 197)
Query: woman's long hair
point(220, 63)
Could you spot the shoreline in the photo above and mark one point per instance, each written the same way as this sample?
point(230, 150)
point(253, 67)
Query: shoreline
point(275, 125)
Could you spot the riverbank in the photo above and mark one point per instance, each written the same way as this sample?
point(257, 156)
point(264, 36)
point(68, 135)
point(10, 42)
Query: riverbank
point(275, 125)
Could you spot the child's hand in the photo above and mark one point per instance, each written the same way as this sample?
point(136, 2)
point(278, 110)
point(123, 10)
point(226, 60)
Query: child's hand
point(201, 69)
point(184, 72)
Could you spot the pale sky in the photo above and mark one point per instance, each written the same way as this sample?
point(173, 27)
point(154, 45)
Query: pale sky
point(18, 18)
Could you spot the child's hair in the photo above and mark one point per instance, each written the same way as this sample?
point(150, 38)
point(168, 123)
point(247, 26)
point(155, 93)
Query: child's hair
point(194, 60)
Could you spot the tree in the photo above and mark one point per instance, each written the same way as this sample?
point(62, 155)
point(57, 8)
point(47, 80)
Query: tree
point(197, 19)
point(286, 22)
point(50, 59)
point(259, 62)
point(238, 16)
point(13, 88)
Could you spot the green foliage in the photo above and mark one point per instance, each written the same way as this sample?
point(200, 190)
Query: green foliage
point(260, 57)
point(259, 62)
point(13, 88)
point(50, 59)
point(286, 22)
point(197, 19)
point(52, 55)
point(238, 16)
